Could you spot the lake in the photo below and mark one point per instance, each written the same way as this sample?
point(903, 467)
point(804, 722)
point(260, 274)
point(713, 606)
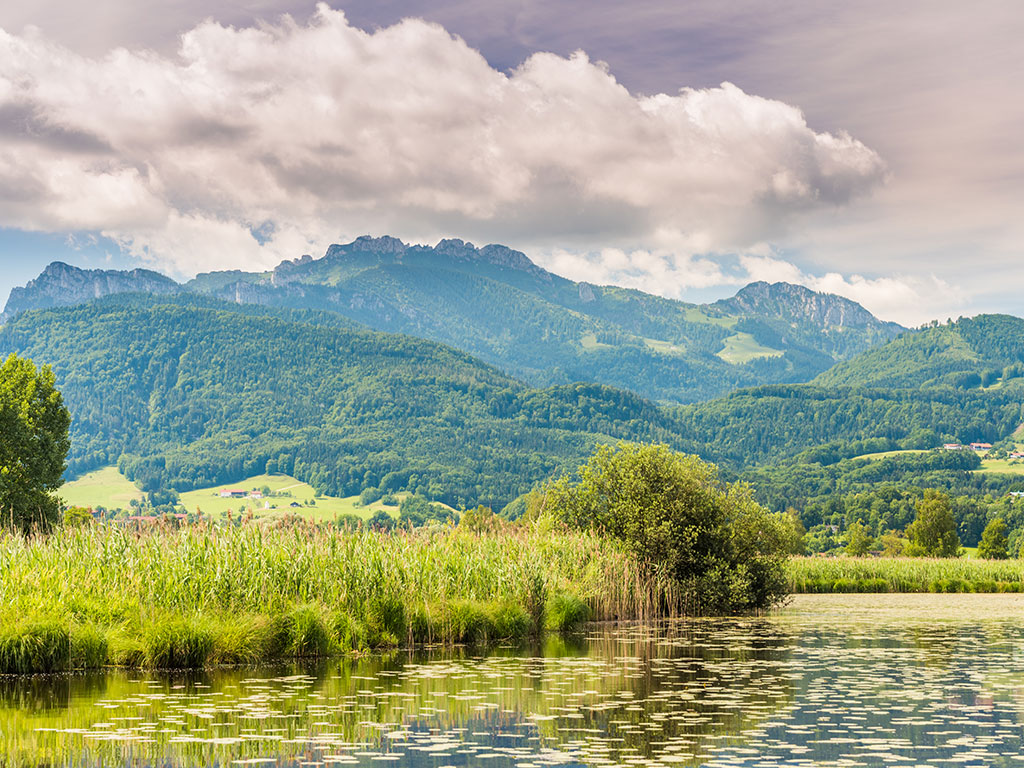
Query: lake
point(845, 680)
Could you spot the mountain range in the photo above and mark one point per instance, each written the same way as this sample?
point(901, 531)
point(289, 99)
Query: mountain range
point(497, 305)
point(471, 374)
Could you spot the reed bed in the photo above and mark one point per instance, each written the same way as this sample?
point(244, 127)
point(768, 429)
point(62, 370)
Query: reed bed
point(903, 574)
point(199, 595)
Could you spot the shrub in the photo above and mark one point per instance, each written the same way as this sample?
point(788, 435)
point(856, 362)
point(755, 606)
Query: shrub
point(725, 550)
point(993, 545)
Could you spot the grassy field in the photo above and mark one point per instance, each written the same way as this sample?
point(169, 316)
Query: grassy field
point(185, 597)
point(885, 454)
point(590, 343)
point(698, 315)
point(1002, 466)
point(323, 509)
point(106, 488)
point(904, 574)
point(742, 347)
point(109, 489)
point(664, 347)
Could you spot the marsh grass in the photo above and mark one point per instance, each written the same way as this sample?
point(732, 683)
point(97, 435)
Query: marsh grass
point(903, 574)
point(199, 595)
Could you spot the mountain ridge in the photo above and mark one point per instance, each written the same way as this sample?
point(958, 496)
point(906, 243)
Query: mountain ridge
point(496, 304)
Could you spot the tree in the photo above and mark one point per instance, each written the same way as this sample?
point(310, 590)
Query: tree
point(993, 545)
point(858, 539)
point(892, 544)
point(724, 550)
point(933, 532)
point(33, 444)
point(794, 531)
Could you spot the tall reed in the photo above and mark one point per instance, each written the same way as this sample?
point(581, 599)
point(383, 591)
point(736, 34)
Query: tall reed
point(903, 574)
point(199, 594)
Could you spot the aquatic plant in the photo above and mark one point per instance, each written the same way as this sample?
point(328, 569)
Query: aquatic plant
point(903, 574)
point(199, 595)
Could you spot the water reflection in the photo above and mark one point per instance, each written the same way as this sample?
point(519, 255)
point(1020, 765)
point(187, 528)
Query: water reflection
point(830, 681)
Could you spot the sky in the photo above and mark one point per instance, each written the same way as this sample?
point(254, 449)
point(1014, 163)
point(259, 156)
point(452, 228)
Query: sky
point(866, 148)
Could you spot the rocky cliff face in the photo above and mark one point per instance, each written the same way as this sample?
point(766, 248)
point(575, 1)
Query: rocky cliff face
point(795, 303)
point(61, 285)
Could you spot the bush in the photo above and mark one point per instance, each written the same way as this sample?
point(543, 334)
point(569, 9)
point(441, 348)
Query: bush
point(726, 551)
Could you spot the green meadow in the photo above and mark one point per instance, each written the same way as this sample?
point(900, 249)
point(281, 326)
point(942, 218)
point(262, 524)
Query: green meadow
point(106, 488)
point(110, 489)
point(742, 348)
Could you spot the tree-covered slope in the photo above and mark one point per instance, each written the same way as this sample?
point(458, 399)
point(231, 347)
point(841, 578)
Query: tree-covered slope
point(972, 352)
point(776, 423)
point(186, 392)
point(494, 303)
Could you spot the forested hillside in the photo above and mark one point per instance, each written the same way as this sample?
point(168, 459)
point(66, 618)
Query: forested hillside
point(494, 303)
point(772, 424)
point(190, 391)
point(973, 352)
point(185, 392)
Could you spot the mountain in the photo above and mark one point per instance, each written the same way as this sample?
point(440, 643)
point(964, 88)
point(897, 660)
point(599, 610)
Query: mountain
point(497, 305)
point(184, 391)
point(783, 314)
point(987, 350)
point(61, 285)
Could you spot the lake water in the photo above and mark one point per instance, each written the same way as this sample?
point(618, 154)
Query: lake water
point(852, 680)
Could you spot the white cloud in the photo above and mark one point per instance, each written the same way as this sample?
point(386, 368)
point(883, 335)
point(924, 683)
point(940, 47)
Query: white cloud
point(906, 299)
point(661, 272)
point(324, 130)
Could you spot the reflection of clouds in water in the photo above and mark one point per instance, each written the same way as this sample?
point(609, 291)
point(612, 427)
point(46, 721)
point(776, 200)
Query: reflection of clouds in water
point(840, 680)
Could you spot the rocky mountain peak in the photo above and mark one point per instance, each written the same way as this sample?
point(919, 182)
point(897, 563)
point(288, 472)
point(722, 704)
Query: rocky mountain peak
point(62, 285)
point(370, 244)
point(786, 301)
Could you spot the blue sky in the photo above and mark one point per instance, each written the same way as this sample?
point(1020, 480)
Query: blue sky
point(865, 148)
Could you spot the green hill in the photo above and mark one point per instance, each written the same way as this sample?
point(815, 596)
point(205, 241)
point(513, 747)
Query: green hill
point(187, 392)
point(971, 353)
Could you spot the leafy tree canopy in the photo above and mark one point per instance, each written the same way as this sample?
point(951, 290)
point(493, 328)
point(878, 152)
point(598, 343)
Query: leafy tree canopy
point(725, 550)
point(933, 532)
point(33, 444)
point(993, 545)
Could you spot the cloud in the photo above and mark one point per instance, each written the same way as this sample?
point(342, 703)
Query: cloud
point(906, 299)
point(255, 141)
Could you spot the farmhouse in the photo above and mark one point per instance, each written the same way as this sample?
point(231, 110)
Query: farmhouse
point(233, 494)
point(952, 447)
point(981, 446)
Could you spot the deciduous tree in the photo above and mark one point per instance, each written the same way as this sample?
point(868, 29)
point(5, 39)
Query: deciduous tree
point(33, 444)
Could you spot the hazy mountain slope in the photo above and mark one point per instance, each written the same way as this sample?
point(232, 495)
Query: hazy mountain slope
point(497, 305)
point(189, 392)
point(782, 314)
point(62, 285)
point(969, 353)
